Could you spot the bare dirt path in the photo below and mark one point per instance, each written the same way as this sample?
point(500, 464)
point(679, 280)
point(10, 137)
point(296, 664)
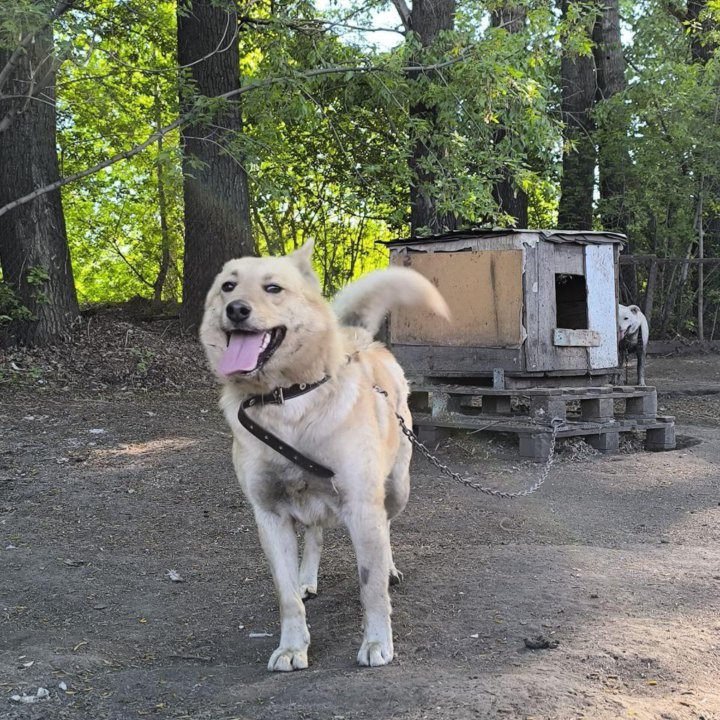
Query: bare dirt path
point(617, 558)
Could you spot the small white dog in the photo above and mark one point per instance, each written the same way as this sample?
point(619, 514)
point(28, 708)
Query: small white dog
point(633, 333)
point(313, 404)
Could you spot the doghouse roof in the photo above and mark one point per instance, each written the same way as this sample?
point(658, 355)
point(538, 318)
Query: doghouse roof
point(580, 237)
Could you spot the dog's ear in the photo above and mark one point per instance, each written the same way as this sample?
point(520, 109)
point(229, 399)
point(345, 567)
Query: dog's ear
point(634, 309)
point(302, 257)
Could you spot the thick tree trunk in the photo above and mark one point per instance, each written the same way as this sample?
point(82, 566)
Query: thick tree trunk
point(510, 197)
point(33, 245)
point(578, 174)
point(427, 19)
point(215, 190)
point(614, 160)
point(613, 156)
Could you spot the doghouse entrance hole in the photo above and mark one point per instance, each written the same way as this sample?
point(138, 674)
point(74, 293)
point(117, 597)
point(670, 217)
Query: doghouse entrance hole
point(571, 301)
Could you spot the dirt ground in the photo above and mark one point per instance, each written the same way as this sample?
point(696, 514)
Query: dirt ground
point(107, 484)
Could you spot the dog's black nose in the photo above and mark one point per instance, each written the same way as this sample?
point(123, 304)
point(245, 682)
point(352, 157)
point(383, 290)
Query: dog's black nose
point(238, 310)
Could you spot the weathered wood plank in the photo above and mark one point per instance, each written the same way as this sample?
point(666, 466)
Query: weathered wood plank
point(484, 292)
point(569, 259)
point(531, 291)
point(602, 304)
point(550, 357)
point(447, 361)
point(497, 423)
point(566, 393)
point(547, 311)
point(563, 337)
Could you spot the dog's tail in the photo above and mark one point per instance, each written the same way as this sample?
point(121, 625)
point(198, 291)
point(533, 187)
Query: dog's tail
point(367, 301)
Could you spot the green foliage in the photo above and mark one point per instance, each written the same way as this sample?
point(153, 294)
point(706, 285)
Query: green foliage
point(11, 309)
point(145, 358)
point(118, 88)
point(676, 135)
point(327, 157)
point(20, 17)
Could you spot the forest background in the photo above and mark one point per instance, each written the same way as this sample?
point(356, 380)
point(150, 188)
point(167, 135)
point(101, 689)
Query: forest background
point(143, 143)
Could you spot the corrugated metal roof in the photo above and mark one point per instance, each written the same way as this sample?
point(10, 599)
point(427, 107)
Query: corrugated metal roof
point(584, 237)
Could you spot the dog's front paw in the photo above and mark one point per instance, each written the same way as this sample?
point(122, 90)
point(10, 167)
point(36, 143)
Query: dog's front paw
point(308, 592)
point(288, 659)
point(374, 653)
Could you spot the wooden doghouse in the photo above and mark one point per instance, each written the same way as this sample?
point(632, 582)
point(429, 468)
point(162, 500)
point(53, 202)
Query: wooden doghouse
point(526, 305)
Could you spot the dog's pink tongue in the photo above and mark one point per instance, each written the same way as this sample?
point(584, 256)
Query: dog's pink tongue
point(242, 354)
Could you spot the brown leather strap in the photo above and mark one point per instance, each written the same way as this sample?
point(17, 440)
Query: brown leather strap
point(278, 397)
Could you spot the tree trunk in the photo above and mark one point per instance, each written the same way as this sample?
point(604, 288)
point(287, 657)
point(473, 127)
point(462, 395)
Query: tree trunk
point(701, 269)
point(510, 198)
point(578, 173)
point(650, 291)
point(613, 157)
point(165, 242)
point(427, 19)
point(33, 244)
point(614, 160)
point(215, 190)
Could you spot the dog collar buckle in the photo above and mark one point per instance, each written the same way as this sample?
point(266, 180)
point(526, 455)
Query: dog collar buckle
point(278, 396)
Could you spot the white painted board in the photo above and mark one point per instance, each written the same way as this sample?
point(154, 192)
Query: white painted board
point(602, 304)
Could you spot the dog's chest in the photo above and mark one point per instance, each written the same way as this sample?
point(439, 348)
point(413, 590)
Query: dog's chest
point(283, 488)
point(630, 340)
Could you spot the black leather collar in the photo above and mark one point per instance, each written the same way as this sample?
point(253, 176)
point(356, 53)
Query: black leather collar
point(278, 397)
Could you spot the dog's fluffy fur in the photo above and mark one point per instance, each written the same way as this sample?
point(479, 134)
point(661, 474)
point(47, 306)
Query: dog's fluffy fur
point(633, 333)
point(344, 424)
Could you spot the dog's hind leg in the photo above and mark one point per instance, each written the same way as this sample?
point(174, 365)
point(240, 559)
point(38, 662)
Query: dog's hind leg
point(622, 361)
point(368, 526)
point(640, 364)
point(310, 561)
point(640, 352)
point(279, 541)
point(397, 492)
point(396, 576)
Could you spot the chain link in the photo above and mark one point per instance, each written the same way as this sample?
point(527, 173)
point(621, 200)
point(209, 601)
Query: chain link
point(555, 424)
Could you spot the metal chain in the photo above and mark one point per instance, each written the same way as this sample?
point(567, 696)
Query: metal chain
point(555, 423)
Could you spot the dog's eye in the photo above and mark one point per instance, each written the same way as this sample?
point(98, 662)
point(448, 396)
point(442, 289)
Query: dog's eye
point(272, 288)
point(228, 286)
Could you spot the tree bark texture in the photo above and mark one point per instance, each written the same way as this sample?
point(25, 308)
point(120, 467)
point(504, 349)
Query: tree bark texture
point(578, 175)
point(427, 19)
point(165, 241)
point(510, 197)
point(34, 253)
point(613, 157)
point(614, 162)
point(215, 189)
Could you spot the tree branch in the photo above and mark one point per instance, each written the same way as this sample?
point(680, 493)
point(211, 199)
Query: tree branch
point(188, 118)
point(313, 25)
point(404, 13)
point(14, 59)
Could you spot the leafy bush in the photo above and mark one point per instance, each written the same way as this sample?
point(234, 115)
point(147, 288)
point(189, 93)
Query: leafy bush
point(11, 308)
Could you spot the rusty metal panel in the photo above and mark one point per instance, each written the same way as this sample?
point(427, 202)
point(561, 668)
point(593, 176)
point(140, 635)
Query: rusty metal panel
point(483, 290)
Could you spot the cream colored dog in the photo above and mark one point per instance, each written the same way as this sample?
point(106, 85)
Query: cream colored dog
point(267, 326)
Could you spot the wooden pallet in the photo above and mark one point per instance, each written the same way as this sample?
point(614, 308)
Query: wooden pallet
point(588, 412)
